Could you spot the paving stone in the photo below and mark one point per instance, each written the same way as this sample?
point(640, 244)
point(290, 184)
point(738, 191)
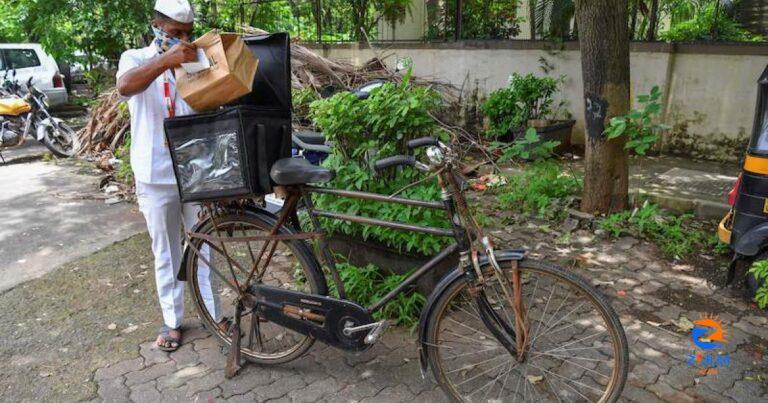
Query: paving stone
point(152, 355)
point(149, 373)
point(212, 358)
point(181, 377)
point(249, 377)
point(639, 395)
point(398, 393)
point(355, 392)
point(745, 391)
point(748, 326)
point(756, 320)
point(113, 390)
point(279, 388)
point(309, 370)
point(208, 342)
point(119, 369)
point(680, 376)
point(435, 395)
point(205, 382)
point(195, 332)
point(185, 356)
point(669, 394)
point(644, 374)
point(244, 398)
point(145, 392)
point(314, 391)
point(701, 393)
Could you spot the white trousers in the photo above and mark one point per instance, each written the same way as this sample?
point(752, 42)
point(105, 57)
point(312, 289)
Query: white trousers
point(166, 216)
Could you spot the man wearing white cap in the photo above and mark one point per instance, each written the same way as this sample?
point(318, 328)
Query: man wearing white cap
point(145, 76)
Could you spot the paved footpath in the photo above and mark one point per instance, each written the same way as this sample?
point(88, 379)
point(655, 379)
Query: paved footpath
point(648, 293)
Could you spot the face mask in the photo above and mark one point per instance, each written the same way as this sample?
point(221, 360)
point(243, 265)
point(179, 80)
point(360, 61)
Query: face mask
point(164, 42)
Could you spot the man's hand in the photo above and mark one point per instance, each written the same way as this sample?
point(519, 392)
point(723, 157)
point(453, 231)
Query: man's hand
point(138, 79)
point(184, 52)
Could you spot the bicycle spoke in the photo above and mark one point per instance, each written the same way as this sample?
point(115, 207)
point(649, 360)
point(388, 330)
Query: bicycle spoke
point(564, 360)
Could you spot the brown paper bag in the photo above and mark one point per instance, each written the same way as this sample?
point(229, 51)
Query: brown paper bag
point(233, 68)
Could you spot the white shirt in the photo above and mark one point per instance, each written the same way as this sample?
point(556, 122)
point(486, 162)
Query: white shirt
point(150, 157)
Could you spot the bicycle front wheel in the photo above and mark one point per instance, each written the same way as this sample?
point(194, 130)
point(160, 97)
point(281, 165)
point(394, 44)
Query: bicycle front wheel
point(577, 350)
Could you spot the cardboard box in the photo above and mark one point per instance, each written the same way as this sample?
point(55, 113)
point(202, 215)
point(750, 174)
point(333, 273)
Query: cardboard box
point(226, 73)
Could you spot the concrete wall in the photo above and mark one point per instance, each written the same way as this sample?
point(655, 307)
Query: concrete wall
point(710, 90)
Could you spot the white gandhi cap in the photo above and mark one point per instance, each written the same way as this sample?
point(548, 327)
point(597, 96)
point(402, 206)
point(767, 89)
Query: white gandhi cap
point(177, 10)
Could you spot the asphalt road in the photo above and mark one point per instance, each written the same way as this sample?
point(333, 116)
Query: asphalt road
point(52, 213)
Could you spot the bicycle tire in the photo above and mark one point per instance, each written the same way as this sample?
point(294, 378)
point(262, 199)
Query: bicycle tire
point(610, 318)
point(310, 267)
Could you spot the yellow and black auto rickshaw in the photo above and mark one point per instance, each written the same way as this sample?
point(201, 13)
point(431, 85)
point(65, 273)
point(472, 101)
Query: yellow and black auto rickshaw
point(745, 228)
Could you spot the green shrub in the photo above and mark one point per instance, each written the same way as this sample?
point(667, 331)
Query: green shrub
point(528, 147)
point(302, 99)
point(760, 270)
point(364, 131)
point(702, 26)
point(542, 190)
point(677, 236)
point(367, 285)
point(123, 153)
point(638, 125)
point(525, 98)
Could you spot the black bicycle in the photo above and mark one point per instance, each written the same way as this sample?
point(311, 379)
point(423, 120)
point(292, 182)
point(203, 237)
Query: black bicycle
point(500, 327)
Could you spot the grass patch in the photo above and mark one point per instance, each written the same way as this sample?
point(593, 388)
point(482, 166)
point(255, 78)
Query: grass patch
point(678, 236)
point(544, 189)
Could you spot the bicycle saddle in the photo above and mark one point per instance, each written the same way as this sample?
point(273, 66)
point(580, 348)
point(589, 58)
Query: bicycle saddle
point(298, 171)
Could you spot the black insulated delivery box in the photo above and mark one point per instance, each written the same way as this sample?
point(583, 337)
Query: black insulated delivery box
point(228, 153)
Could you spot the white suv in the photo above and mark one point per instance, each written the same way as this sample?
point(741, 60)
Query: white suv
point(30, 60)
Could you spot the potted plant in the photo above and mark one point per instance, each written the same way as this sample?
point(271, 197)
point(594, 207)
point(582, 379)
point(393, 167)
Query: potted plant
point(528, 102)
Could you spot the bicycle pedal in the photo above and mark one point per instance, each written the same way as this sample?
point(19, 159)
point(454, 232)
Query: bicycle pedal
point(376, 333)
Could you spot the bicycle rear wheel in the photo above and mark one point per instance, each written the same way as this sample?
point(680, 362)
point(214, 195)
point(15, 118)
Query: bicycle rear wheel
point(293, 267)
point(577, 349)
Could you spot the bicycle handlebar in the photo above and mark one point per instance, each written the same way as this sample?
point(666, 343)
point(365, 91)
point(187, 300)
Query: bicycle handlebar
point(397, 160)
point(423, 142)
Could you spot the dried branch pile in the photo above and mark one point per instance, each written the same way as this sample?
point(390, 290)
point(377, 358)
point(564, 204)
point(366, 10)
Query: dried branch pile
point(107, 126)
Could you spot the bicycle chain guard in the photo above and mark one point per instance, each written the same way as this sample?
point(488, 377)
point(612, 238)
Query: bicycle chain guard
point(322, 317)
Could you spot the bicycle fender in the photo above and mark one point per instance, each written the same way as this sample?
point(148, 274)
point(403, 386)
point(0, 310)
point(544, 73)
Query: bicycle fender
point(182, 276)
point(441, 287)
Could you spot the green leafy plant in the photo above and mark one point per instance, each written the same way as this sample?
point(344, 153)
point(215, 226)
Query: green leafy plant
point(525, 98)
point(542, 190)
point(302, 99)
point(639, 124)
point(678, 236)
point(364, 131)
point(707, 24)
point(760, 270)
point(366, 285)
point(528, 147)
point(123, 153)
point(98, 80)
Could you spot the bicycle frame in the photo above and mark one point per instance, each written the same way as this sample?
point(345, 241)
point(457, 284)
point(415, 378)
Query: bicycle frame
point(512, 336)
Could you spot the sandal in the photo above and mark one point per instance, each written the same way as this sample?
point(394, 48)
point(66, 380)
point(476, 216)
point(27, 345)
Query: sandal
point(165, 333)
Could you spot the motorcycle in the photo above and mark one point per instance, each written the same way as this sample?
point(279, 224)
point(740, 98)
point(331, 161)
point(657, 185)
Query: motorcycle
point(26, 114)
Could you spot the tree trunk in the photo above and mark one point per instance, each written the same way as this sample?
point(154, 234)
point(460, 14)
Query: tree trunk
point(633, 23)
point(532, 18)
point(604, 42)
point(653, 22)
